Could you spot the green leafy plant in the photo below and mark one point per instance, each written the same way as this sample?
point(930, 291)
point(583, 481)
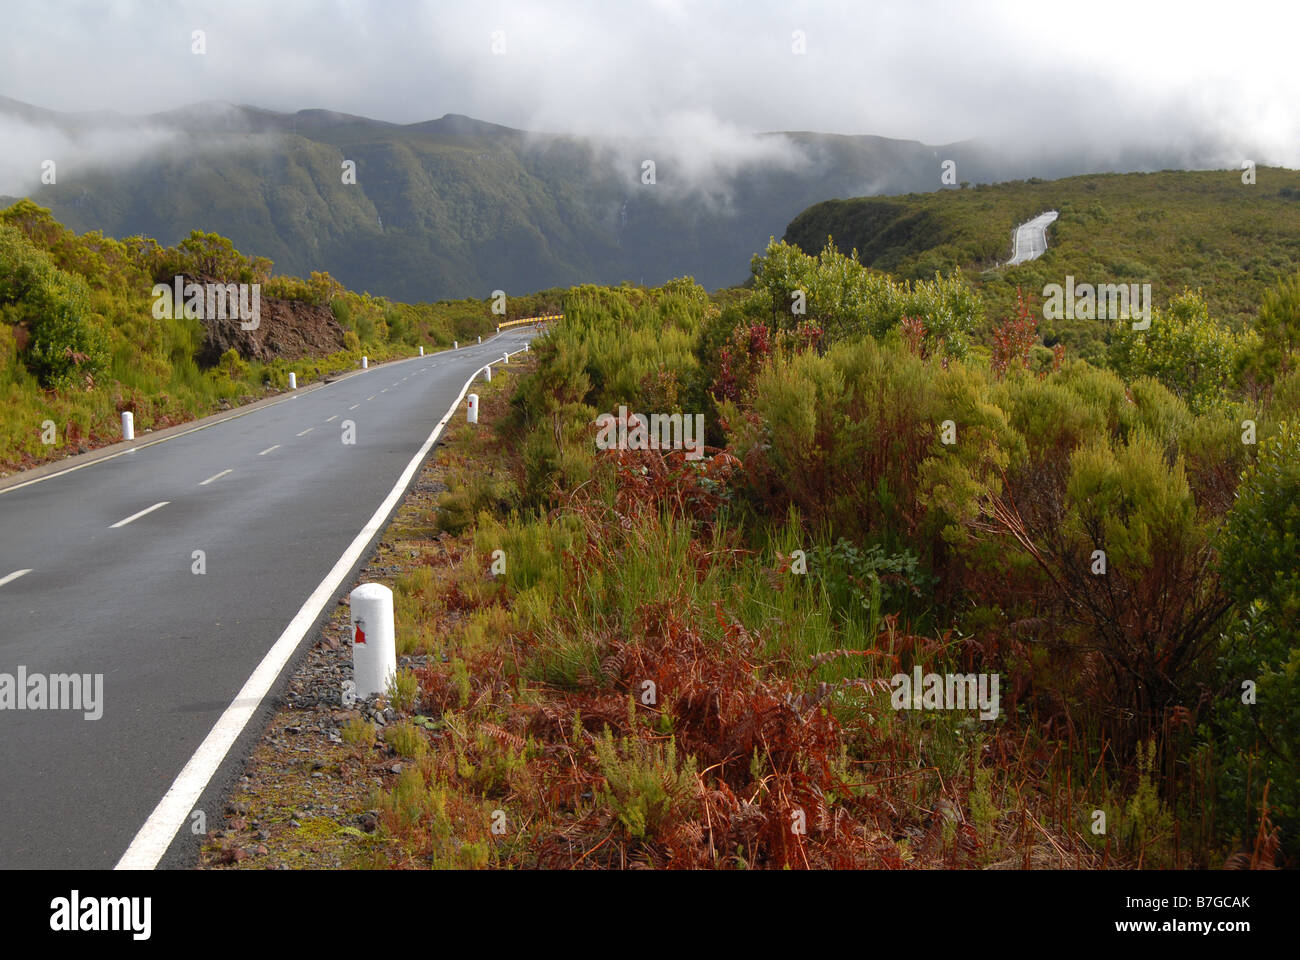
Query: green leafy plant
point(644, 784)
point(1258, 714)
point(406, 739)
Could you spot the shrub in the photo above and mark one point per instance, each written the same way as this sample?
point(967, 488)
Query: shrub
point(1015, 337)
point(1184, 349)
point(853, 440)
point(358, 732)
point(404, 690)
point(66, 346)
point(1278, 323)
point(407, 739)
point(869, 580)
point(472, 491)
point(644, 784)
point(844, 299)
point(1261, 568)
point(1147, 604)
point(232, 365)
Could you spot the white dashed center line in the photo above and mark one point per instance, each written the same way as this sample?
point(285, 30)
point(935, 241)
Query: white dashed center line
point(354, 406)
point(268, 450)
point(14, 576)
point(307, 431)
point(335, 417)
point(215, 476)
point(137, 516)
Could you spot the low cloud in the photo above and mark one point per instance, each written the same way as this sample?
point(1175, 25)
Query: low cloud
point(81, 144)
point(698, 156)
point(28, 145)
point(1110, 83)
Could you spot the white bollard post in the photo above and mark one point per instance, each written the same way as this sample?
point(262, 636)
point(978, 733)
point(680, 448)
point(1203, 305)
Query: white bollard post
point(128, 425)
point(487, 373)
point(525, 346)
point(365, 362)
point(480, 339)
point(455, 345)
point(472, 415)
point(374, 646)
point(505, 358)
point(293, 381)
point(422, 351)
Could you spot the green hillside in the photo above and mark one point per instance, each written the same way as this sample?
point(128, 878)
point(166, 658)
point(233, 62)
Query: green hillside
point(1171, 229)
point(456, 207)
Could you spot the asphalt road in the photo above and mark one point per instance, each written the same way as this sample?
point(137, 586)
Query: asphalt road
point(1030, 241)
point(274, 498)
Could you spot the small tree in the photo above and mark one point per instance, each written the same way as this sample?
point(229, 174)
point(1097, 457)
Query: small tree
point(1278, 323)
point(65, 344)
point(1014, 337)
point(1184, 349)
point(1150, 602)
point(1260, 728)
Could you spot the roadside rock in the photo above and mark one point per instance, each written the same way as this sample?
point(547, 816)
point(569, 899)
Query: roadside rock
point(286, 328)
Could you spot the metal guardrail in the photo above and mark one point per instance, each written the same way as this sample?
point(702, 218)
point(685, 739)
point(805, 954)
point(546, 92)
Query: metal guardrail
point(515, 323)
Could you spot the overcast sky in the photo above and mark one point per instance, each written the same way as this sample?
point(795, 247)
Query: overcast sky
point(1130, 71)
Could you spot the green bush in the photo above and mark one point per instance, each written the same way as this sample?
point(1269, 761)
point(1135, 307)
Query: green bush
point(472, 491)
point(1261, 567)
point(1278, 324)
point(613, 347)
point(853, 440)
point(1184, 349)
point(869, 581)
point(232, 364)
point(646, 787)
point(66, 346)
point(846, 299)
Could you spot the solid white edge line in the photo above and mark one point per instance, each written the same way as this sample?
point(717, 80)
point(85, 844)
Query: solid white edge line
point(215, 476)
point(137, 516)
point(14, 576)
point(155, 836)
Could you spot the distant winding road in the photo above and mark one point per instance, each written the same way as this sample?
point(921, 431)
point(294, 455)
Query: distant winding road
point(284, 512)
point(1031, 239)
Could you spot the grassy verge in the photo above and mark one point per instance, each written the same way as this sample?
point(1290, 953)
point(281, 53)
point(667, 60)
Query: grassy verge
point(625, 692)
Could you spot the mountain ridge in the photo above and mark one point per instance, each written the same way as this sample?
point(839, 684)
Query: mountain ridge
point(456, 206)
